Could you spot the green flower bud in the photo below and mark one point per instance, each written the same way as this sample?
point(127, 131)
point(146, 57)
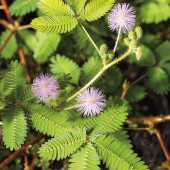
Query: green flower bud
point(139, 32)
point(110, 54)
point(125, 84)
point(138, 53)
point(103, 49)
point(132, 35)
point(127, 41)
point(133, 44)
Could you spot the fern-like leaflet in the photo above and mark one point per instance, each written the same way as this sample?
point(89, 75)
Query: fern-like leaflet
point(117, 155)
point(14, 81)
point(109, 121)
point(20, 7)
point(55, 7)
point(85, 159)
point(96, 9)
point(45, 119)
point(14, 127)
point(56, 24)
point(63, 145)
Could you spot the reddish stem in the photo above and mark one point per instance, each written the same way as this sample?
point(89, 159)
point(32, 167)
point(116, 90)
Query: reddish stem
point(33, 161)
point(19, 151)
point(24, 62)
point(6, 10)
point(26, 162)
point(162, 143)
point(6, 41)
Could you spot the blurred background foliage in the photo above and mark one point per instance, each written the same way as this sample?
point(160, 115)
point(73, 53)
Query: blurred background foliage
point(142, 85)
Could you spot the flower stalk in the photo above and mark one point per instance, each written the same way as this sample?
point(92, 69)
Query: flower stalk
point(99, 74)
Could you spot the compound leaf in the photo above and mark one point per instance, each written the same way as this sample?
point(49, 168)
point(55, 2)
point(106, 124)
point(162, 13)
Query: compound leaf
point(55, 24)
point(14, 127)
point(63, 145)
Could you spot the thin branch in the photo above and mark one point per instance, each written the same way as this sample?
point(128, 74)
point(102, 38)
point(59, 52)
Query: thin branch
point(84, 29)
point(26, 166)
point(148, 120)
point(137, 80)
point(24, 62)
point(162, 143)
point(133, 83)
point(140, 128)
point(20, 150)
point(24, 27)
point(6, 10)
point(6, 41)
point(33, 161)
point(4, 23)
point(99, 74)
point(114, 50)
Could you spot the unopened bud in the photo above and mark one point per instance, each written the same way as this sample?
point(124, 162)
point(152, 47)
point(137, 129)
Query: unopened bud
point(139, 32)
point(138, 53)
point(125, 85)
point(127, 41)
point(103, 49)
point(110, 54)
point(133, 45)
point(132, 35)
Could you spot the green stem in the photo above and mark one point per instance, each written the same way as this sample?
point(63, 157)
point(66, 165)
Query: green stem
point(99, 74)
point(73, 107)
point(117, 40)
point(24, 27)
point(84, 29)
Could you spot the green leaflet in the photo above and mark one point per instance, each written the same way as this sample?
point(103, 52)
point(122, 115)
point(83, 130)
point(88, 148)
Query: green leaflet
point(123, 137)
point(61, 64)
point(10, 48)
point(154, 12)
point(45, 119)
point(28, 38)
point(55, 24)
point(117, 155)
point(20, 7)
point(79, 4)
point(108, 121)
point(159, 80)
point(96, 9)
point(71, 3)
point(14, 127)
point(55, 7)
point(14, 81)
point(85, 159)
point(113, 79)
point(27, 94)
point(135, 93)
point(46, 45)
point(90, 69)
point(63, 145)
point(166, 67)
point(163, 52)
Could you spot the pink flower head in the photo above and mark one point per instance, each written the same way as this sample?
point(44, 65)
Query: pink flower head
point(90, 102)
point(122, 16)
point(45, 87)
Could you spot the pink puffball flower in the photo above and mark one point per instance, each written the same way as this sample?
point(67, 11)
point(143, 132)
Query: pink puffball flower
point(90, 102)
point(45, 87)
point(122, 16)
